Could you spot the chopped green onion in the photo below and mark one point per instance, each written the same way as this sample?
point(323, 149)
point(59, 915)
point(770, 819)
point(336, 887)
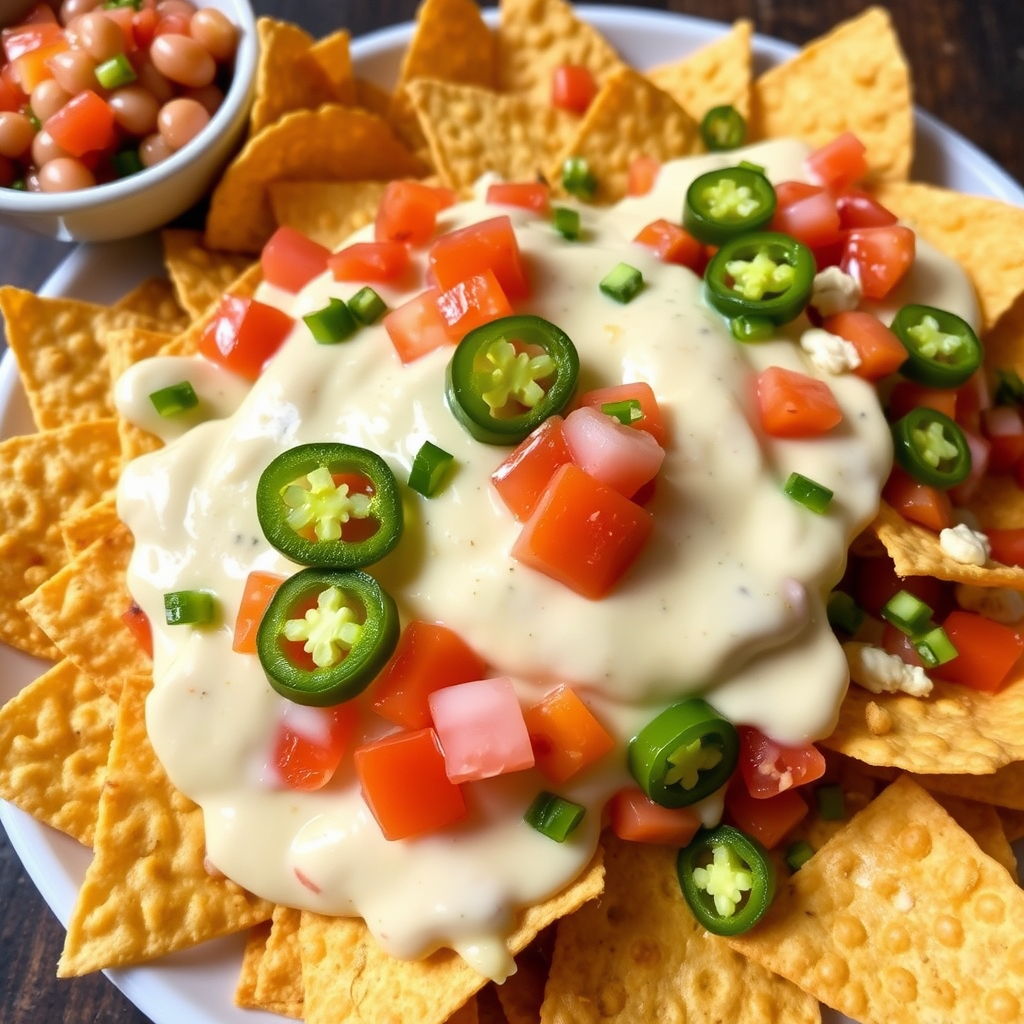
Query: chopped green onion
point(175, 399)
point(114, 73)
point(567, 222)
point(112, 5)
point(188, 607)
point(844, 613)
point(799, 854)
point(127, 162)
point(907, 613)
point(749, 166)
point(751, 328)
point(627, 411)
point(429, 468)
point(33, 119)
point(554, 816)
point(1009, 388)
point(331, 324)
point(806, 492)
point(577, 178)
point(18, 185)
point(366, 305)
point(622, 283)
point(831, 803)
point(935, 648)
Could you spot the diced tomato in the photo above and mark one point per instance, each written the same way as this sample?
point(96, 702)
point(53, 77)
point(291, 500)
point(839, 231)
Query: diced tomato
point(987, 651)
point(980, 451)
point(243, 334)
point(877, 583)
point(370, 261)
point(405, 785)
point(144, 24)
point(636, 819)
point(795, 405)
point(469, 304)
point(643, 173)
point(428, 656)
point(33, 67)
point(673, 244)
point(12, 97)
point(417, 327)
point(565, 735)
point(139, 625)
point(310, 743)
point(617, 455)
point(84, 123)
point(839, 163)
point(41, 14)
point(927, 506)
point(880, 351)
point(521, 479)
point(769, 768)
point(895, 641)
point(811, 217)
point(28, 36)
point(408, 212)
point(488, 245)
point(1004, 429)
point(879, 258)
point(972, 398)
point(583, 533)
point(530, 195)
point(859, 210)
point(572, 88)
point(651, 418)
point(907, 395)
point(260, 587)
point(290, 259)
point(1007, 545)
point(766, 820)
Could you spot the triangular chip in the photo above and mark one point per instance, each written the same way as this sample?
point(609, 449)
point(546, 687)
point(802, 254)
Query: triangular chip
point(255, 948)
point(279, 980)
point(982, 823)
point(326, 211)
point(629, 117)
point(332, 143)
point(853, 79)
point(334, 55)
point(155, 298)
point(348, 977)
point(54, 741)
point(717, 75)
point(899, 917)
point(81, 529)
point(1003, 788)
point(199, 275)
point(147, 891)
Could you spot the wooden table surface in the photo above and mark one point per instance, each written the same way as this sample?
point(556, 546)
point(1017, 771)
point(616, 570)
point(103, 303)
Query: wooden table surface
point(967, 58)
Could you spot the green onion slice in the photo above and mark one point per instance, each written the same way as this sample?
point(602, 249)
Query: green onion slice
point(798, 854)
point(807, 492)
point(622, 283)
point(175, 399)
point(189, 608)
point(831, 802)
point(627, 412)
point(429, 468)
point(567, 222)
point(367, 306)
point(331, 324)
point(577, 178)
point(844, 613)
point(934, 647)
point(554, 816)
point(907, 613)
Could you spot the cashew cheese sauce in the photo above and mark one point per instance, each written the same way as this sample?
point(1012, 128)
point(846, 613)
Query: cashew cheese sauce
point(726, 601)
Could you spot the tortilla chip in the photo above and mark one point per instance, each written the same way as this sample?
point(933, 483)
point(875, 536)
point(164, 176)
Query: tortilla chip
point(287, 77)
point(333, 143)
point(334, 57)
point(279, 980)
point(629, 117)
point(255, 947)
point(521, 995)
point(473, 130)
point(537, 36)
point(346, 974)
point(54, 741)
point(373, 98)
point(326, 211)
point(1003, 788)
point(981, 822)
point(80, 610)
point(906, 875)
point(717, 75)
point(147, 892)
point(81, 529)
point(199, 275)
point(853, 79)
point(984, 235)
point(1013, 823)
point(43, 478)
point(155, 299)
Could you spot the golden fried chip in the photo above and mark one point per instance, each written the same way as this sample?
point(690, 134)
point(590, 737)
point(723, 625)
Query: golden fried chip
point(80, 609)
point(279, 979)
point(43, 478)
point(332, 143)
point(945, 919)
point(80, 529)
point(147, 891)
point(716, 75)
point(373, 98)
point(1013, 823)
point(984, 235)
point(287, 77)
point(628, 118)
point(155, 298)
point(255, 948)
point(199, 275)
point(347, 975)
point(981, 822)
point(537, 36)
point(472, 130)
point(54, 741)
point(639, 948)
point(521, 995)
point(1003, 788)
point(326, 211)
point(334, 56)
point(853, 79)
point(998, 502)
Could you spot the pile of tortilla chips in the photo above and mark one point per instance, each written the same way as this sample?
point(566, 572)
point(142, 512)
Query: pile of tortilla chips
point(909, 910)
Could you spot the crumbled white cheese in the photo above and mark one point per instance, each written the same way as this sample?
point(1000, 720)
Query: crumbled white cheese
point(880, 672)
point(829, 352)
point(964, 545)
point(999, 604)
point(834, 291)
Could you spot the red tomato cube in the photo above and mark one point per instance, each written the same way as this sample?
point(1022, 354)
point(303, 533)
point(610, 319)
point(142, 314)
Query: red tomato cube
point(572, 88)
point(651, 418)
point(370, 261)
point(880, 351)
point(408, 211)
point(766, 820)
point(637, 819)
point(643, 173)
point(879, 258)
point(83, 124)
point(673, 244)
point(310, 743)
point(565, 735)
point(244, 334)
point(471, 303)
point(795, 405)
point(839, 163)
point(488, 245)
point(987, 651)
point(769, 768)
point(417, 327)
point(521, 479)
point(290, 259)
point(530, 195)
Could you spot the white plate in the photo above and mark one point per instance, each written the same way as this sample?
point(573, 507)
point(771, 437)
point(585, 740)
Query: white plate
point(197, 986)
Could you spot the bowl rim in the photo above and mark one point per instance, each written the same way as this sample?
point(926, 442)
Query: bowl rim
point(14, 201)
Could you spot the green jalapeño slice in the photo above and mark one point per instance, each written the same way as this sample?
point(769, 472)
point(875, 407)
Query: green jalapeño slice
point(723, 128)
point(942, 349)
point(684, 754)
point(330, 504)
point(723, 204)
point(325, 635)
point(931, 448)
point(508, 376)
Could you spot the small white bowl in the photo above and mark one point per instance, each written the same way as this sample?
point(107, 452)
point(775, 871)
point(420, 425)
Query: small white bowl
point(151, 198)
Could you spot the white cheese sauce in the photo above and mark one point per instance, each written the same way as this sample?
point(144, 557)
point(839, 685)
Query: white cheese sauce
point(726, 601)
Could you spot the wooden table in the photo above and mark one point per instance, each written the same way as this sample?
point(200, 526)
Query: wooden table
point(968, 64)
